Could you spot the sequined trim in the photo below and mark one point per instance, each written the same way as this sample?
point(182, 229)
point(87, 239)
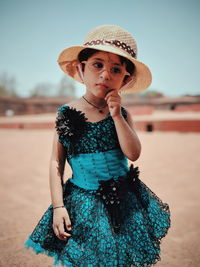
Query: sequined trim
point(117, 43)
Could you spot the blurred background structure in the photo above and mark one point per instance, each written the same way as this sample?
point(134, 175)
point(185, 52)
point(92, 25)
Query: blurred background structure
point(34, 33)
point(151, 112)
point(166, 116)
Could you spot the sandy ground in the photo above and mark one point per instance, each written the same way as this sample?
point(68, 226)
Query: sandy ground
point(169, 165)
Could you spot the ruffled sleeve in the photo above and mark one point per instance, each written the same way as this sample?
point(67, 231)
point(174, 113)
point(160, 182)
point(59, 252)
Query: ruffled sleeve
point(62, 140)
point(69, 124)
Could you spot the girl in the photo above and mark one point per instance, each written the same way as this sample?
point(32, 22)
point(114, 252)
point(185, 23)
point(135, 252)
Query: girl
point(104, 215)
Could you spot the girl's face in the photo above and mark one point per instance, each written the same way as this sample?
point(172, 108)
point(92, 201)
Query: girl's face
point(104, 72)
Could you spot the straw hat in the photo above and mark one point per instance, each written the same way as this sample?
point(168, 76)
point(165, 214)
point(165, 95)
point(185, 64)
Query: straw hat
point(113, 39)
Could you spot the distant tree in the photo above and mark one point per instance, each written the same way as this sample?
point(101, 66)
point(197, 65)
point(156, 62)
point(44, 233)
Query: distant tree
point(7, 85)
point(131, 95)
point(3, 91)
point(43, 89)
point(66, 87)
point(151, 94)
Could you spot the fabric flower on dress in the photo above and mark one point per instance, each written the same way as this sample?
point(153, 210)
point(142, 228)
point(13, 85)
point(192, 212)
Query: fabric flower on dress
point(113, 192)
point(70, 124)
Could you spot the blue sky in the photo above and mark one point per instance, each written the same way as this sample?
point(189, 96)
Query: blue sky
point(33, 33)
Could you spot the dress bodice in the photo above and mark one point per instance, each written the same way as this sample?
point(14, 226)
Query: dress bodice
point(93, 149)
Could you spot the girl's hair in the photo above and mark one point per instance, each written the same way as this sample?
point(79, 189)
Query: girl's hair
point(86, 53)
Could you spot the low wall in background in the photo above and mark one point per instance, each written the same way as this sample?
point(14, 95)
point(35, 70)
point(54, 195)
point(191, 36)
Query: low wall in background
point(146, 126)
point(185, 126)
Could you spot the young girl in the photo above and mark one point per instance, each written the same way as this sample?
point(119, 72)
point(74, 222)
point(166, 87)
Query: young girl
point(104, 215)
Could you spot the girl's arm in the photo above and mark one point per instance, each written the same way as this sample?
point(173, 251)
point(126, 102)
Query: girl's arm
point(128, 139)
point(56, 170)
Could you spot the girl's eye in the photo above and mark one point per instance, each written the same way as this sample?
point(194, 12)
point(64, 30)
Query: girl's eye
point(116, 70)
point(98, 65)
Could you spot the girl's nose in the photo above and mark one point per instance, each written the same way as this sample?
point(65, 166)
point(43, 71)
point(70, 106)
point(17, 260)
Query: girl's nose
point(105, 74)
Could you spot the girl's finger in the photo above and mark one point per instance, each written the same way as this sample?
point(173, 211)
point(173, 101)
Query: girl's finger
point(67, 224)
point(113, 105)
point(113, 99)
point(63, 237)
point(62, 232)
point(110, 93)
point(55, 229)
point(114, 94)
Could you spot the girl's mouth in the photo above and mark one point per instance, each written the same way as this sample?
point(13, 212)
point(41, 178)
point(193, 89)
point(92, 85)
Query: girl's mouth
point(103, 85)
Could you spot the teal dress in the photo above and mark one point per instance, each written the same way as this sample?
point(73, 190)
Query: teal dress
point(114, 222)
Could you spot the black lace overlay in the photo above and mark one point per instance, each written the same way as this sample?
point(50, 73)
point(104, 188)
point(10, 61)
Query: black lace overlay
point(144, 221)
point(90, 137)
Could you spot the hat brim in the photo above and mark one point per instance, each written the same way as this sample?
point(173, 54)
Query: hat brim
point(68, 60)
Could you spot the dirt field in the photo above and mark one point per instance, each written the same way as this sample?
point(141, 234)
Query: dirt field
point(169, 165)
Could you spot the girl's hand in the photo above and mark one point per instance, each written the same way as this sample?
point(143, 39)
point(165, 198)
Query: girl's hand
point(114, 103)
point(60, 221)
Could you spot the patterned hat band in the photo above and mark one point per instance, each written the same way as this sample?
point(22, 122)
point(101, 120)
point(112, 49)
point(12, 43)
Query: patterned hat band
point(117, 43)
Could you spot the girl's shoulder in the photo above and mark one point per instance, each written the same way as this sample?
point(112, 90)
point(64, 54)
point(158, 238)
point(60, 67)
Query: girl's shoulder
point(72, 105)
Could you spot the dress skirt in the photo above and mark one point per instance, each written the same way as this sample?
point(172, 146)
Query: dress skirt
point(145, 220)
